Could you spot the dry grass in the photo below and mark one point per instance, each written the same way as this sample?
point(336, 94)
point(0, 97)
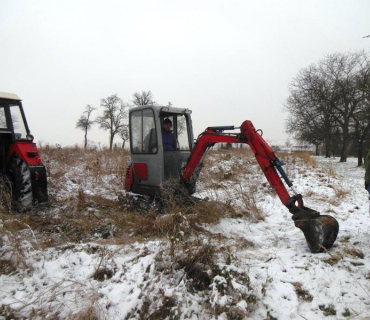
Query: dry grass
point(225, 171)
point(79, 216)
point(340, 193)
point(227, 166)
point(17, 240)
point(302, 294)
point(249, 208)
point(306, 157)
point(64, 165)
point(197, 261)
point(328, 310)
point(82, 299)
point(356, 253)
point(333, 258)
point(5, 196)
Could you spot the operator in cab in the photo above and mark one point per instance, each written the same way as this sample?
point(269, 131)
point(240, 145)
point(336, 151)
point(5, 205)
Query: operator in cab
point(169, 141)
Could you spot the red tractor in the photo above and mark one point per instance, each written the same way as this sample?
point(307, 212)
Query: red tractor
point(154, 164)
point(23, 172)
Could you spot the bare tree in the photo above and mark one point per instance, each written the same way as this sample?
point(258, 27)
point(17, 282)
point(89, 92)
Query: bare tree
point(124, 135)
point(332, 98)
point(85, 123)
point(361, 117)
point(143, 99)
point(340, 72)
point(113, 117)
point(310, 109)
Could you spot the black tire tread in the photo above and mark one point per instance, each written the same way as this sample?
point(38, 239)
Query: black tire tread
point(20, 177)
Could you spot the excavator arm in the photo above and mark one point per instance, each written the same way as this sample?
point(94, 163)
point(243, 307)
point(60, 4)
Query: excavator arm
point(320, 230)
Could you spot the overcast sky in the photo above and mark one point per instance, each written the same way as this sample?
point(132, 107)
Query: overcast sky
point(227, 60)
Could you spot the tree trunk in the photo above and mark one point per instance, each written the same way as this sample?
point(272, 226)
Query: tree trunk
point(344, 150)
point(85, 146)
point(360, 152)
point(327, 148)
point(316, 149)
point(111, 142)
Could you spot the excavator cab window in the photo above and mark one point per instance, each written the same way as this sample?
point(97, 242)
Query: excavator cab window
point(179, 131)
point(175, 156)
point(142, 130)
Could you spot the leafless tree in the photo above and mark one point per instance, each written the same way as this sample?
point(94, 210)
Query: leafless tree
point(331, 97)
point(114, 116)
point(124, 135)
point(143, 99)
point(309, 107)
point(85, 123)
point(340, 71)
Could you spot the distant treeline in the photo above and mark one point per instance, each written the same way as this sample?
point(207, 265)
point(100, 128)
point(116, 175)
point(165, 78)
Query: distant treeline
point(329, 105)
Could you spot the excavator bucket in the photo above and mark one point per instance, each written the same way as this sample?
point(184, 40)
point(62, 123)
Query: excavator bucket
point(320, 231)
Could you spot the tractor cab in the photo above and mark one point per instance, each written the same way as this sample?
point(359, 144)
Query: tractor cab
point(13, 125)
point(161, 140)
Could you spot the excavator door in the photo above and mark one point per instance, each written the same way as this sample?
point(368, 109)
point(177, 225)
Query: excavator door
point(176, 143)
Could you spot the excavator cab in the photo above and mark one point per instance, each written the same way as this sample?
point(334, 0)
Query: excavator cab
point(157, 155)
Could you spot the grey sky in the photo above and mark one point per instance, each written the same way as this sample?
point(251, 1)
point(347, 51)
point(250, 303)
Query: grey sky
point(228, 61)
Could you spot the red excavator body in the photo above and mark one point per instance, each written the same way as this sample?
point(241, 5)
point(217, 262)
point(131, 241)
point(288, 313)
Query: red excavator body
point(320, 231)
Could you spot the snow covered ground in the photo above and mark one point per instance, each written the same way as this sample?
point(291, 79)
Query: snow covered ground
point(252, 264)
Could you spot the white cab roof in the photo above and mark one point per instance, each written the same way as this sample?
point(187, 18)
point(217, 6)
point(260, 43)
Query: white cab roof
point(10, 96)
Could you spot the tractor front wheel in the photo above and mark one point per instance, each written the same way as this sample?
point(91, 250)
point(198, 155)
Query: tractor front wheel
point(20, 177)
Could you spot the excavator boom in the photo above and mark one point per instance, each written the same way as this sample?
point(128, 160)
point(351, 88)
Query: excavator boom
point(320, 231)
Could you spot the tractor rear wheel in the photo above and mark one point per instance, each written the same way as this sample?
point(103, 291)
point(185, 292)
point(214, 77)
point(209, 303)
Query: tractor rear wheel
point(20, 177)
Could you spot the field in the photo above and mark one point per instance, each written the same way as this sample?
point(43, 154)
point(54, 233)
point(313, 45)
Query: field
point(91, 255)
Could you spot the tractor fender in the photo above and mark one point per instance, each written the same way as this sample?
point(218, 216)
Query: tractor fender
point(27, 151)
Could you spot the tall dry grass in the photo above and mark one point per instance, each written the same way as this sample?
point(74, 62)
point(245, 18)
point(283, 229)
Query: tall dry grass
point(306, 157)
point(88, 202)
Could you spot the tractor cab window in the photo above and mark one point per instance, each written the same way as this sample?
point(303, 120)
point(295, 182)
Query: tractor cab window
point(19, 127)
point(143, 135)
point(3, 124)
point(175, 132)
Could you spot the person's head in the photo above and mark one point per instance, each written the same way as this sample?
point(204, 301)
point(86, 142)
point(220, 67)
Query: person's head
point(167, 124)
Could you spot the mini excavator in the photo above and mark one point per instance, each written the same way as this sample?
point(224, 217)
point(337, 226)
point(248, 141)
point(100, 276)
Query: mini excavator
point(151, 166)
